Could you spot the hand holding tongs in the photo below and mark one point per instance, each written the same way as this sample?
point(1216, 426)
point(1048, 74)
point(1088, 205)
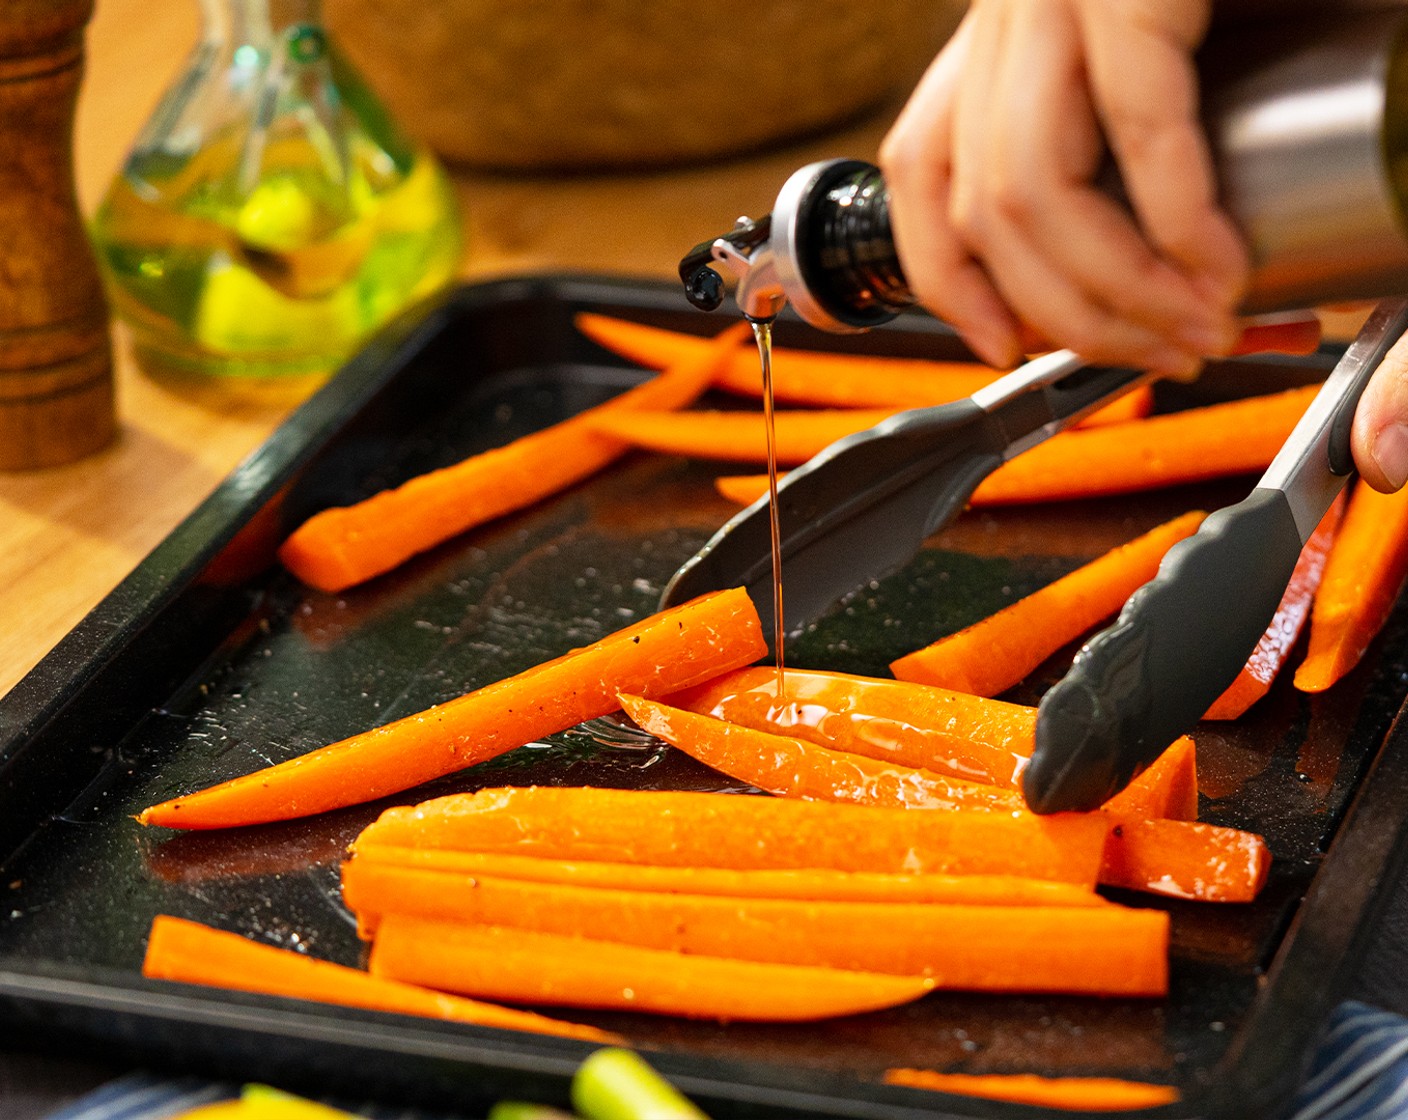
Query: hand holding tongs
point(863, 507)
point(1183, 637)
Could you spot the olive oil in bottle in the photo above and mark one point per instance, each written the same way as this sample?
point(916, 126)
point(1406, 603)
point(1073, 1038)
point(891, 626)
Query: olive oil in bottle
point(272, 215)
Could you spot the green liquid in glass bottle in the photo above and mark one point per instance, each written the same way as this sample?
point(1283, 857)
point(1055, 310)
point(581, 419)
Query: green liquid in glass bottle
point(272, 215)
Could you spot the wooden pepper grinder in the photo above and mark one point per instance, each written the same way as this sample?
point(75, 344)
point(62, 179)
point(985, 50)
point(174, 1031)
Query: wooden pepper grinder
point(56, 384)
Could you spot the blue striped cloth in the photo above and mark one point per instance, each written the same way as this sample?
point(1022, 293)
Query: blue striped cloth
point(1360, 1072)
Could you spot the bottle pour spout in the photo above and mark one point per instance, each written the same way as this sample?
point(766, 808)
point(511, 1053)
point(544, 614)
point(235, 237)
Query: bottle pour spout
point(826, 249)
point(746, 253)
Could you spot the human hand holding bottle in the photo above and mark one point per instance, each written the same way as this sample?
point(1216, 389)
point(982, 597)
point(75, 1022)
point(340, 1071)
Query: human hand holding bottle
point(1004, 232)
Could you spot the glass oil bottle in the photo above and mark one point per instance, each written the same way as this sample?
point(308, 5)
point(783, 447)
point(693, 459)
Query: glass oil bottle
point(271, 214)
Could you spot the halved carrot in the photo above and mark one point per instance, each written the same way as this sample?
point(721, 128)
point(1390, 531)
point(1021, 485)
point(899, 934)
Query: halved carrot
point(1089, 950)
point(1237, 437)
point(1185, 859)
point(676, 648)
point(542, 968)
point(792, 767)
point(736, 436)
point(811, 883)
point(999, 651)
point(346, 545)
point(1364, 573)
point(1254, 681)
point(191, 953)
point(935, 729)
point(1081, 1094)
point(1179, 857)
point(686, 829)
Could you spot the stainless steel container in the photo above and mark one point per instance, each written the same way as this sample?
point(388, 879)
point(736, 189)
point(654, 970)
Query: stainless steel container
point(1308, 125)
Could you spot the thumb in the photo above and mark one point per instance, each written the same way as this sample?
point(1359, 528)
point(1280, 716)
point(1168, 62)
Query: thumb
point(1379, 437)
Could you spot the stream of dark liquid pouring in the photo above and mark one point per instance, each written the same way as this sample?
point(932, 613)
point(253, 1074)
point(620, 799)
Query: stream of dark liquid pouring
point(762, 332)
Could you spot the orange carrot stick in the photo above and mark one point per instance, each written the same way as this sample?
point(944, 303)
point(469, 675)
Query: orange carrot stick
point(807, 377)
point(1090, 950)
point(1185, 859)
point(828, 380)
point(1081, 1094)
point(679, 647)
point(793, 767)
point(195, 954)
point(933, 729)
point(687, 829)
point(541, 968)
point(737, 436)
point(1363, 575)
point(811, 883)
point(994, 654)
point(1200, 443)
point(1254, 681)
point(745, 489)
point(1178, 857)
point(346, 545)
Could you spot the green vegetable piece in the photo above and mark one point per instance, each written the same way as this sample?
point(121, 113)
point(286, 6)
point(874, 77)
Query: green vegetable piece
point(616, 1084)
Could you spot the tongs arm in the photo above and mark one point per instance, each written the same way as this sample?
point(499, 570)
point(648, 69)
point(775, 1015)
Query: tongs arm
point(1183, 637)
point(863, 507)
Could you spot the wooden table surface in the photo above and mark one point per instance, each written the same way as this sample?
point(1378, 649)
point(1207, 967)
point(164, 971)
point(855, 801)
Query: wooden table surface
point(68, 535)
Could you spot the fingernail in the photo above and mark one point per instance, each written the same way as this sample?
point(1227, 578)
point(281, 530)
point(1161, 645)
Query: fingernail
point(1208, 338)
point(1390, 454)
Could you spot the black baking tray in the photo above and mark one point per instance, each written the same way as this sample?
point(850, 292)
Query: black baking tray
point(209, 661)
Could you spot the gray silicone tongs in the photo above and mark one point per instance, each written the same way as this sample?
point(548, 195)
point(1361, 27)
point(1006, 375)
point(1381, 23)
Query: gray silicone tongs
point(864, 506)
point(1183, 637)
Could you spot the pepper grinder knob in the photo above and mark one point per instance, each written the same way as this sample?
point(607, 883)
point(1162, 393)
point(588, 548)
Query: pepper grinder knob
point(56, 382)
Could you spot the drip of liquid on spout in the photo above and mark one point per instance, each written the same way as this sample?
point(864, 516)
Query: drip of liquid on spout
point(762, 332)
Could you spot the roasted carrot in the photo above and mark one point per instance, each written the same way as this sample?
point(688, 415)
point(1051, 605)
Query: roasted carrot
point(812, 883)
point(1185, 859)
point(676, 648)
point(1237, 437)
point(999, 651)
point(736, 436)
point(191, 953)
point(687, 829)
point(1081, 1094)
point(1254, 681)
point(541, 968)
point(935, 729)
point(1090, 950)
point(1363, 576)
point(793, 767)
point(346, 545)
